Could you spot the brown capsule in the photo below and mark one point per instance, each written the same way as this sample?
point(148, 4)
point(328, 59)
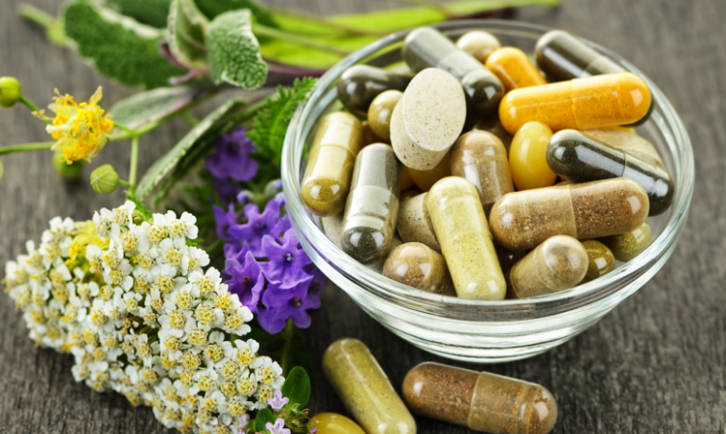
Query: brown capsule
point(414, 222)
point(479, 44)
point(418, 266)
point(493, 126)
point(525, 219)
point(479, 400)
point(599, 258)
point(480, 158)
point(360, 84)
point(380, 112)
point(628, 245)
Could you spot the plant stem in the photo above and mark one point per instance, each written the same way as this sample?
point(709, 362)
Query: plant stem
point(35, 15)
point(123, 128)
point(29, 104)
point(134, 163)
point(124, 183)
point(327, 22)
point(432, 4)
point(191, 120)
point(291, 37)
point(288, 334)
point(138, 132)
point(26, 147)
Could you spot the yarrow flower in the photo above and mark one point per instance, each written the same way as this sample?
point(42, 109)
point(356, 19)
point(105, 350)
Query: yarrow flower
point(80, 130)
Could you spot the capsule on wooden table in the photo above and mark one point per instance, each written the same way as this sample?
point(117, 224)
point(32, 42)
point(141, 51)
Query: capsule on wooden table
point(414, 223)
point(428, 48)
point(600, 260)
point(365, 390)
point(420, 267)
point(525, 219)
point(480, 158)
point(527, 157)
point(514, 69)
point(627, 141)
point(593, 102)
point(628, 245)
point(360, 84)
point(331, 423)
point(463, 233)
point(330, 163)
point(492, 125)
point(371, 210)
point(479, 400)
point(479, 44)
point(425, 179)
point(577, 158)
point(380, 112)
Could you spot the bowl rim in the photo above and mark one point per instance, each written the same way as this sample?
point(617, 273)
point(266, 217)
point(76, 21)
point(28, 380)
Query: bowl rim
point(382, 287)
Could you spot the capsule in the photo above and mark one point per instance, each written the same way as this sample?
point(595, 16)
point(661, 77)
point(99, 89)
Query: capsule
point(514, 69)
point(372, 207)
point(406, 180)
point(628, 142)
point(492, 125)
point(429, 48)
point(365, 390)
point(593, 102)
point(628, 245)
point(425, 179)
point(369, 136)
point(463, 232)
point(527, 157)
point(331, 423)
point(600, 260)
point(479, 44)
point(419, 266)
point(525, 219)
point(479, 400)
point(480, 158)
point(578, 159)
point(330, 164)
point(428, 119)
point(414, 223)
point(380, 112)
point(360, 84)
point(562, 56)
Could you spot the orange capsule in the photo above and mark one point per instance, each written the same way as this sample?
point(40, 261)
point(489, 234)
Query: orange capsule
point(514, 69)
point(424, 179)
point(583, 103)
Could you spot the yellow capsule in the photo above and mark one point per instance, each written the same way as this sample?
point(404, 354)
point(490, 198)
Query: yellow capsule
point(424, 179)
point(332, 423)
point(527, 160)
point(406, 180)
point(630, 130)
point(462, 230)
point(583, 103)
point(380, 112)
point(514, 69)
point(330, 164)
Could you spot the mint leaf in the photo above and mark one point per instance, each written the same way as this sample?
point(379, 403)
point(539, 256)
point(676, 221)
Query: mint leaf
point(213, 8)
point(187, 26)
point(297, 387)
point(153, 105)
point(234, 52)
point(153, 13)
point(263, 417)
point(117, 46)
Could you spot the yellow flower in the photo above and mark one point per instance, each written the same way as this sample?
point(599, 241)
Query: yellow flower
point(85, 235)
point(81, 130)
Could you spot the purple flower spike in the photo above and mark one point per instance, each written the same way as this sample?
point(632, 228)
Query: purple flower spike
point(286, 261)
point(277, 402)
point(278, 427)
point(244, 197)
point(226, 191)
point(224, 220)
point(232, 159)
point(257, 226)
point(280, 198)
point(246, 281)
point(287, 303)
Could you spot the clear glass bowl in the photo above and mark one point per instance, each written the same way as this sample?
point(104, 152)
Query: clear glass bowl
point(473, 330)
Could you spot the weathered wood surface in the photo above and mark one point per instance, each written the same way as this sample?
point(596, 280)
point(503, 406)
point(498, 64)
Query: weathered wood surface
point(656, 364)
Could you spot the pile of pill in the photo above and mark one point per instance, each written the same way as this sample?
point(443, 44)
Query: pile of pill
point(483, 174)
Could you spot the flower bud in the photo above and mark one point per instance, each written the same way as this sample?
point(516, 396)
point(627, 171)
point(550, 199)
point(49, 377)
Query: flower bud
point(137, 217)
point(104, 179)
point(9, 91)
point(69, 172)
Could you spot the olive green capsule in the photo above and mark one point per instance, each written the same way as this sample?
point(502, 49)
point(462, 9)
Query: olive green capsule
point(360, 84)
point(67, 171)
point(10, 91)
point(600, 260)
point(104, 179)
point(630, 244)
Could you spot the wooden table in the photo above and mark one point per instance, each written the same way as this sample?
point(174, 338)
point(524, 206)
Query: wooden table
point(656, 364)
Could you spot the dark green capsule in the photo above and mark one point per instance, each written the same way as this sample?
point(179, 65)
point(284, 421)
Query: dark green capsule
point(360, 84)
point(577, 158)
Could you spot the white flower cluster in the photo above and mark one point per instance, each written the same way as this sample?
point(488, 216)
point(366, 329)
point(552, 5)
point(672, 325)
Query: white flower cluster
point(133, 305)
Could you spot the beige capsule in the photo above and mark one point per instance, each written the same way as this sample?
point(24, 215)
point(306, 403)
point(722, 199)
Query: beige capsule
point(479, 44)
point(628, 142)
point(381, 111)
point(630, 244)
point(414, 223)
point(420, 267)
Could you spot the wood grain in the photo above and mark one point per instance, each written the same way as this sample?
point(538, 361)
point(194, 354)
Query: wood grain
point(656, 364)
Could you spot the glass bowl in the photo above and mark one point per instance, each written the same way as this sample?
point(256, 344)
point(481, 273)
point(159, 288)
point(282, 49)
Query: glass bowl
point(475, 330)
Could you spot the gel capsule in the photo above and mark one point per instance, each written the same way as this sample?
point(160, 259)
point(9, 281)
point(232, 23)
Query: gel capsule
point(330, 164)
point(414, 223)
point(628, 142)
point(365, 390)
point(372, 206)
point(628, 245)
point(425, 179)
point(380, 112)
point(492, 125)
point(593, 102)
point(527, 157)
point(514, 69)
point(557, 264)
point(600, 260)
point(331, 423)
point(462, 230)
point(578, 159)
point(426, 48)
point(360, 84)
point(406, 180)
point(479, 400)
point(420, 267)
point(480, 158)
point(479, 44)
point(563, 57)
point(525, 219)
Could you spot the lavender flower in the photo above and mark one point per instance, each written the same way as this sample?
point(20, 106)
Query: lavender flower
point(226, 190)
point(257, 226)
point(282, 304)
point(246, 281)
point(277, 401)
point(278, 427)
point(232, 157)
point(286, 260)
point(224, 220)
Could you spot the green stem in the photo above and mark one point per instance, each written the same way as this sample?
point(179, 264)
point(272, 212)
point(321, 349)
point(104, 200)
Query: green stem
point(431, 4)
point(191, 120)
point(288, 334)
point(124, 183)
point(26, 147)
point(291, 37)
point(134, 163)
point(29, 104)
point(327, 22)
point(138, 132)
point(37, 16)
point(123, 128)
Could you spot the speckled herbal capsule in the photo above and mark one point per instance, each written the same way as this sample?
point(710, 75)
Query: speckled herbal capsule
point(414, 223)
point(428, 48)
point(365, 390)
point(557, 264)
point(593, 102)
point(420, 267)
point(628, 245)
point(461, 227)
point(479, 400)
point(425, 179)
point(360, 84)
point(628, 142)
point(380, 112)
point(577, 158)
point(525, 219)
point(428, 119)
point(600, 260)
point(331, 423)
point(492, 125)
point(514, 69)
point(479, 44)
point(480, 158)
point(371, 210)
point(330, 164)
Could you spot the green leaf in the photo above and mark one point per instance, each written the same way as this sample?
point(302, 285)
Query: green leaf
point(234, 52)
point(263, 417)
point(213, 8)
point(117, 46)
point(187, 26)
point(153, 13)
point(206, 130)
point(271, 123)
point(297, 387)
point(154, 105)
